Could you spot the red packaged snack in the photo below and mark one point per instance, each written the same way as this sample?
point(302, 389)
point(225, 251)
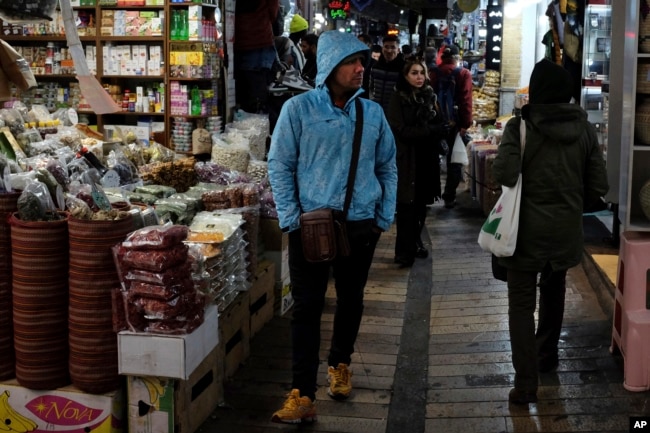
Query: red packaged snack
point(162, 310)
point(156, 237)
point(156, 260)
point(163, 293)
point(169, 277)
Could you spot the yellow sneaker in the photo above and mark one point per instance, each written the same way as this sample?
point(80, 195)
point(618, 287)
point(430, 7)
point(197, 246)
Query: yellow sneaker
point(340, 380)
point(296, 409)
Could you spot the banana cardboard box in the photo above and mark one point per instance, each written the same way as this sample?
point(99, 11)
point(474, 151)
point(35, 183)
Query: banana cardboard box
point(65, 410)
point(151, 404)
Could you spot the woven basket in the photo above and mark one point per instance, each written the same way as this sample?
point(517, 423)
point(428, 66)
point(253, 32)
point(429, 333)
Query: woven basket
point(643, 78)
point(644, 34)
point(8, 205)
point(644, 199)
point(642, 122)
point(92, 277)
point(40, 302)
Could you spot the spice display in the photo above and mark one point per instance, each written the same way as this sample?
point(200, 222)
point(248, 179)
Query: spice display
point(30, 207)
point(179, 175)
point(234, 156)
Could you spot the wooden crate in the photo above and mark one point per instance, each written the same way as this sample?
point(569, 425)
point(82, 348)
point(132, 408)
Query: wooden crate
point(234, 334)
point(261, 297)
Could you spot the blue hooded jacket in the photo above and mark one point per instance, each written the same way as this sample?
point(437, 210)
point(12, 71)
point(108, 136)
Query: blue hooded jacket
point(311, 148)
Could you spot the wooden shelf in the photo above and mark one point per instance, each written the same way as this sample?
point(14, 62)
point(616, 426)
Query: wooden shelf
point(136, 114)
point(134, 77)
point(163, 42)
point(132, 39)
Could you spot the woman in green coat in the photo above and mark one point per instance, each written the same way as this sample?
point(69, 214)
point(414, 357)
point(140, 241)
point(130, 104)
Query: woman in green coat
point(563, 171)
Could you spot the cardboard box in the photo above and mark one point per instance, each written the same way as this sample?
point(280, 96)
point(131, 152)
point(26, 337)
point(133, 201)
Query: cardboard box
point(283, 296)
point(172, 356)
point(234, 334)
point(160, 405)
point(281, 261)
point(262, 297)
point(271, 234)
point(66, 409)
point(194, 13)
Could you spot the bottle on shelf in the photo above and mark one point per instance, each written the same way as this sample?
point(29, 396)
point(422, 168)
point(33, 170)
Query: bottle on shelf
point(176, 25)
point(196, 101)
point(184, 34)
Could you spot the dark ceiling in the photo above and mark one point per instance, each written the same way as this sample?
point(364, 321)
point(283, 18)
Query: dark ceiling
point(389, 10)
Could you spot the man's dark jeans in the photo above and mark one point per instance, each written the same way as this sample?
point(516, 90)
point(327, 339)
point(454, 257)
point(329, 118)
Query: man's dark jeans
point(309, 284)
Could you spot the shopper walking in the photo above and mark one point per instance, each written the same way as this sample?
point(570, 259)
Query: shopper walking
point(453, 85)
point(298, 28)
point(366, 39)
point(563, 171)
point(309, 47)
point(384, 73)
point(418, 127)
point(308, 163)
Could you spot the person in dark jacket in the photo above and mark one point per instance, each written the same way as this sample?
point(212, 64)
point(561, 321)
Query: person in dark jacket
point(414, 118)
point(384, 73)
point(309, 46)
point(254, 52)
point(366, 39)
point(563, 171)
point(462, 118)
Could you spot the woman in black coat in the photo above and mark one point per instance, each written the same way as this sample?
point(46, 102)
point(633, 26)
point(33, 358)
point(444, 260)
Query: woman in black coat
point(418, 130)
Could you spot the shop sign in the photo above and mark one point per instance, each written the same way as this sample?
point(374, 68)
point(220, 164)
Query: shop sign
point(361, 4)
point(494, 37)
point(339, 9)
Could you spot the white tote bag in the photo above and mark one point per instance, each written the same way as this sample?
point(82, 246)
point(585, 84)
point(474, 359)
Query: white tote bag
point(498, 234)
point(458, 152)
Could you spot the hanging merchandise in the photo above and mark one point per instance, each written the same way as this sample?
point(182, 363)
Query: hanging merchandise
point(456, 12)
point(27, 11)
point(468, 5)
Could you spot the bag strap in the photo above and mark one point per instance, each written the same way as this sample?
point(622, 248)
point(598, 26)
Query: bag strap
point(522, 135)
point(354, 162)
point(522, 141)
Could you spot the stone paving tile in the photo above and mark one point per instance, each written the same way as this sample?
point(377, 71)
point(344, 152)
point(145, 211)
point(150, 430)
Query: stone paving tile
point(469, 373)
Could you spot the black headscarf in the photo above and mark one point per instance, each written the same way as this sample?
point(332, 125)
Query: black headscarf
point(549, 84)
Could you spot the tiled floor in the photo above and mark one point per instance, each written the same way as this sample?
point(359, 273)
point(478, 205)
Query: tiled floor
point(433, 353)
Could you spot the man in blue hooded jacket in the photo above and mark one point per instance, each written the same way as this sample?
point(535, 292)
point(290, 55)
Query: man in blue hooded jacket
point(308, 162)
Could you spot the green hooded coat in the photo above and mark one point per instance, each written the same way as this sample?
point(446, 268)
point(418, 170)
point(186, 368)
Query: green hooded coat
point(563, 171)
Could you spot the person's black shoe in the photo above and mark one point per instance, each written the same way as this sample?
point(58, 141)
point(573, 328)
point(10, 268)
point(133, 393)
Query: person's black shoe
point(403, 262)
point(421, 253)
point(450, 204)
point(522, 397)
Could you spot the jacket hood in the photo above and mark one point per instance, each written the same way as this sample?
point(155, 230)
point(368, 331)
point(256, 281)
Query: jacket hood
point(549, 84)
point(564, 123)
point(333, 47)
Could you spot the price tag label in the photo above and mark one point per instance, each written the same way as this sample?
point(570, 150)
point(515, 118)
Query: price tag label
point(111, 179)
